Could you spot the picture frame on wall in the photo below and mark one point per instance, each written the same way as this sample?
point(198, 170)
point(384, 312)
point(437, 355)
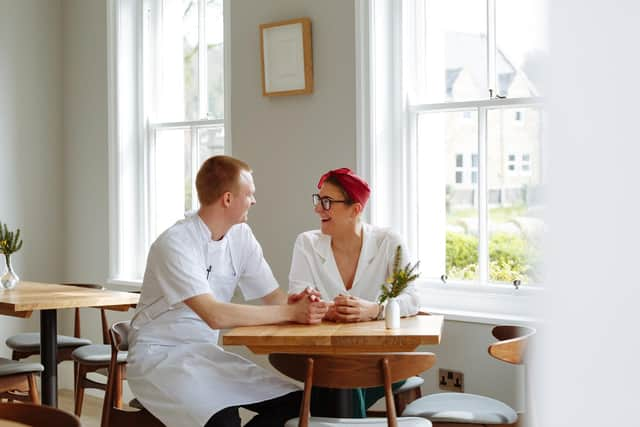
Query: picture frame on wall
point(286, 56)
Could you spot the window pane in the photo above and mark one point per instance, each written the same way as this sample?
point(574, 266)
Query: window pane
point(515, 196)
point(210, 143)
point(451, 51)
point(215, 59)
point(448, 229)
point(171, 178)
point(177, 59)
point(521, 47)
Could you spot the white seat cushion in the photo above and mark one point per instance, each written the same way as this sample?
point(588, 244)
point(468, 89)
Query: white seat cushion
point(359, 422)
point(462, 408)
point(410, 383)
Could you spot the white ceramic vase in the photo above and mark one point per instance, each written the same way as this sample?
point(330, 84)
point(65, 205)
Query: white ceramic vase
point(9, 279)
point(392, 314)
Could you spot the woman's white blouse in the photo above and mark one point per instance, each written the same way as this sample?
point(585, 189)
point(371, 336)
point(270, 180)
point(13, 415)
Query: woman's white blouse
point(313, 265)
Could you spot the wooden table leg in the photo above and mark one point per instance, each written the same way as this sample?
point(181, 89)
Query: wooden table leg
point(48, 350)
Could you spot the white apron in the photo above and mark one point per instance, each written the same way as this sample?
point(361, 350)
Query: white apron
point(176, 369)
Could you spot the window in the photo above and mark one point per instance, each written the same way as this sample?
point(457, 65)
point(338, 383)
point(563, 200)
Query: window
point(464, 125)
point(167, 62)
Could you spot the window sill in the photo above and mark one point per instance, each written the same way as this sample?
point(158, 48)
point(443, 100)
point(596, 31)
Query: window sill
point(487, 304)
point(124, 285)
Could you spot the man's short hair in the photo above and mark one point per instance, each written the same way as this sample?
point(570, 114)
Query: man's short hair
point(217, 175)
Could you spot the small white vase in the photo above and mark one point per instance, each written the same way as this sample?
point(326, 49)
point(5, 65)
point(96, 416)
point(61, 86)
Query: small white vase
point(392, 314)
point(9, 279)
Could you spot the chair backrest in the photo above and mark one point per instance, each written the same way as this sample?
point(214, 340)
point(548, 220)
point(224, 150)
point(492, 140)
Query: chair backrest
point(120, 335)
point(351, 371)
point(513, 343)
point(111, 415)
point(103, 315)
point(37, 416)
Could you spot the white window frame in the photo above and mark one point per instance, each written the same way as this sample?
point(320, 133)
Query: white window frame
point(377, 76)
point(129, 133)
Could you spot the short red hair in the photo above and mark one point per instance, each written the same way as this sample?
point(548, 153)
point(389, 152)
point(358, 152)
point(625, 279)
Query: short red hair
point(217, 175)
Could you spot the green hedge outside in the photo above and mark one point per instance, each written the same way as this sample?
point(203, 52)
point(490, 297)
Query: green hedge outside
point(511, 257)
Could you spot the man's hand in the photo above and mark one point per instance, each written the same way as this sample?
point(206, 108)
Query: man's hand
point(313, 294)
point(306, 310)
point(353, 309)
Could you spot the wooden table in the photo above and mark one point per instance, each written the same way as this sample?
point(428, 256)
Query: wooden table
point(335, 338)
point(47, 298)
point(329, 337)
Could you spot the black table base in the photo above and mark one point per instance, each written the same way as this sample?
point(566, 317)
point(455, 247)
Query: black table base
point(48, 354)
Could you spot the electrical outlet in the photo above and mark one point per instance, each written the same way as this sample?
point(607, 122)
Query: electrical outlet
point(451, 380)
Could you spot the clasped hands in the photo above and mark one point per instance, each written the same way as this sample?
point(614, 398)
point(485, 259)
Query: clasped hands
point(343, 308)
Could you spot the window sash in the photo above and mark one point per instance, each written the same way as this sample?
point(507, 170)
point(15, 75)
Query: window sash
point(482, 109)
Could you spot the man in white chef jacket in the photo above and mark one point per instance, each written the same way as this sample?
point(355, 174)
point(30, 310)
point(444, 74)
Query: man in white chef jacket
point(175, 367)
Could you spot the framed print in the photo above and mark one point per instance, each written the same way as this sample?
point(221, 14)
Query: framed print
point(287, 60)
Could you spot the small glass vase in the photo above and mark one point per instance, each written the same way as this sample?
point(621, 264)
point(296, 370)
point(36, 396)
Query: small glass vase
point(9, 278)
point(392, 314)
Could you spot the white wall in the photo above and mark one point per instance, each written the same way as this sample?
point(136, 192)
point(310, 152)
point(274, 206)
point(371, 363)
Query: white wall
point(31, 142)
point(591, 348)
point(289, 142)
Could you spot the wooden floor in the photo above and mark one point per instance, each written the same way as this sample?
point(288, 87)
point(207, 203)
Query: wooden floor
point(92, 408)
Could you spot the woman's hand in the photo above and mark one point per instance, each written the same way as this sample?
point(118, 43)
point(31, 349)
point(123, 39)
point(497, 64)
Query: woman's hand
point(348, 308)
point(308, 310)
point(313, 294)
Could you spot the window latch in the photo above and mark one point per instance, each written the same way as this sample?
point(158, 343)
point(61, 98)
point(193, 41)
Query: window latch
point(516, 284)
point(444, 278)
point(497, 95)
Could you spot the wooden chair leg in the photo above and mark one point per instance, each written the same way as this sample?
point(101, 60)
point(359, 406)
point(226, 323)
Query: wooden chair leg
point(118, 389)
point(76, 366)
point(79, 389)
point(33, 389)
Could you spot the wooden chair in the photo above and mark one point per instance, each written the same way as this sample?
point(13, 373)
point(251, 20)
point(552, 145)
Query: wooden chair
point(17, 380)
point(408, 392)
point(347, 371)
point(112, 412)
point(94, 358)
point(37, 416)
point(470, 410)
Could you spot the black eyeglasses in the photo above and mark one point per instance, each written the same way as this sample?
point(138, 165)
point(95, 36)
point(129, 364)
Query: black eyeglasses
point(325, 201)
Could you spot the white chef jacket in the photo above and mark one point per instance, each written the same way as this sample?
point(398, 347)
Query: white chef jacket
point(313, 265)
point(175, 367)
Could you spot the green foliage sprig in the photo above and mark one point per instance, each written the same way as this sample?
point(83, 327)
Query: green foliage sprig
point(399, 279)
point(10, 241)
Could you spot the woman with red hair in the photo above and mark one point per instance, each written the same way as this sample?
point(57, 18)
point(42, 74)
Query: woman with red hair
point(347, 261)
